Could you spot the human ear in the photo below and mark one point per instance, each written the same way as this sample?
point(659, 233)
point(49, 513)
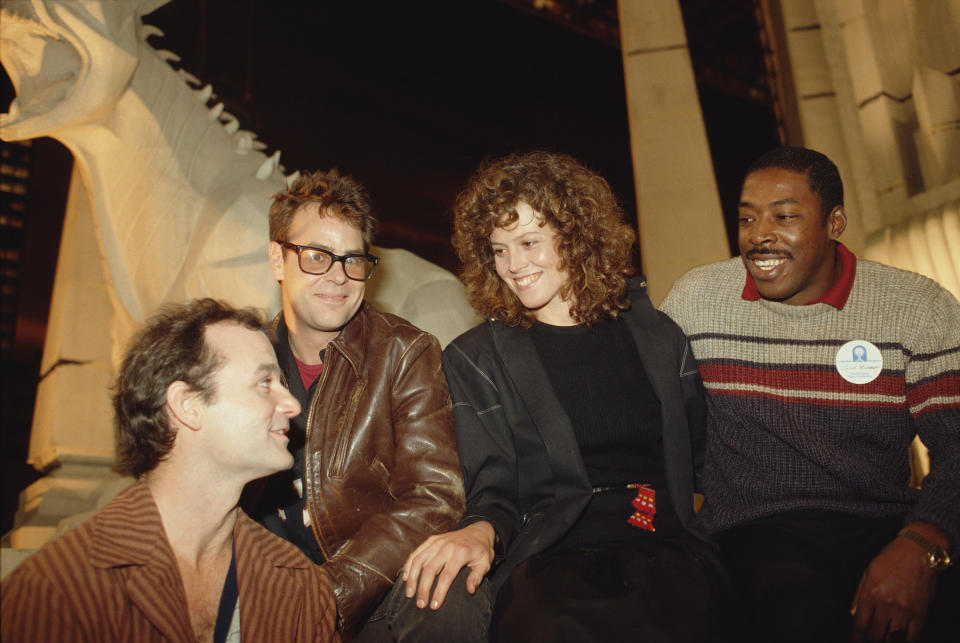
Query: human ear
point(837, 222)
point(275, 259)
point(185, 404)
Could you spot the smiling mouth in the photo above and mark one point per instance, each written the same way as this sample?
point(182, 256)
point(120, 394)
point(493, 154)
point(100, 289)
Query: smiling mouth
point(529, 280)
point(767, 265)
point(335, 298)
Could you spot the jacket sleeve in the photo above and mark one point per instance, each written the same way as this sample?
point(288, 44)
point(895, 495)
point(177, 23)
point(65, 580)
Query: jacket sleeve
point(487, 451)
point(425, 482)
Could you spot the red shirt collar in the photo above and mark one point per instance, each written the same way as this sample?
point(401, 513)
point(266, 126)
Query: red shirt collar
point(308, 373)
point(838, 293)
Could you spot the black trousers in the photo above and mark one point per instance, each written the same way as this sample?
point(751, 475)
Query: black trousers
point(669, 591)
point(463, 617)
point(798, 573)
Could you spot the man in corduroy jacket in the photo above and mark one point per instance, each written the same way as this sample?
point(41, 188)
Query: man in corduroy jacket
point(201, 410)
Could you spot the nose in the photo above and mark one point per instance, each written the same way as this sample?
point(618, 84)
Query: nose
point(762, 231)
point(287, 404)
point(337, 273)
point(517, 261)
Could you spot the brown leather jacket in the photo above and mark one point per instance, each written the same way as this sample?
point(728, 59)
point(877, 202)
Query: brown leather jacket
point(382, 472)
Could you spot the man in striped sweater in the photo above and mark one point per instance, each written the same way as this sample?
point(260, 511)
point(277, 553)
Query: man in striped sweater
point(820, 370)
point(201, 409)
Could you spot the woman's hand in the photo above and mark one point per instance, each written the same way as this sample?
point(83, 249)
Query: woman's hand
point(441, 557)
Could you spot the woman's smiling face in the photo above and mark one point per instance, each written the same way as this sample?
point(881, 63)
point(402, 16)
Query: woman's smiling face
point(526, 259)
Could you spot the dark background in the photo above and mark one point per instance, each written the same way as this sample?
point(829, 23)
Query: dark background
point(407, 97)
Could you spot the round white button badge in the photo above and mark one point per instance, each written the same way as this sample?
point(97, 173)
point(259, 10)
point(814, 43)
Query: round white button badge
point(859, 361)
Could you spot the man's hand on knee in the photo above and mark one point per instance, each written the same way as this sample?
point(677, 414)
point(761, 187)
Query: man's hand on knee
point(441, 558)
point(894, 593)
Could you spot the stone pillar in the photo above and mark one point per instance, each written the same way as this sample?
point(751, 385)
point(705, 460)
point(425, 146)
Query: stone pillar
point(826, 107)
point(679, 213)
point(875, 94)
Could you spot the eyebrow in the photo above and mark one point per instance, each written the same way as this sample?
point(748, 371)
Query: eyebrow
point(749, 204)
point(273, 369)
point(522, 236)
point(320, 246)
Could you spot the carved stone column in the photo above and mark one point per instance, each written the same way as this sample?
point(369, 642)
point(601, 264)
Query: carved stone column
point(824, 103)
point(680, 218)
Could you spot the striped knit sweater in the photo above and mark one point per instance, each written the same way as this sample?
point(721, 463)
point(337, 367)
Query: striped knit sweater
point(786, 432)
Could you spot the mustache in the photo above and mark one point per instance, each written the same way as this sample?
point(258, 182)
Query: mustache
point(769, 253)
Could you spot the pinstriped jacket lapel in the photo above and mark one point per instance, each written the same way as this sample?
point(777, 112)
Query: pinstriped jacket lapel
point(271, 594)
point(157, 591)
point(129, 537)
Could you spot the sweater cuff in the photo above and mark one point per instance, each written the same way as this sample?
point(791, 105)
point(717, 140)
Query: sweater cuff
point(942, 520)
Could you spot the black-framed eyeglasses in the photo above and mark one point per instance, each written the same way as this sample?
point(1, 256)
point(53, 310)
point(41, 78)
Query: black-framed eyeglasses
point(317, 261)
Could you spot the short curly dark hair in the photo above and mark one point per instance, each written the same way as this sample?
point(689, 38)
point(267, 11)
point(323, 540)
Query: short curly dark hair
point(822, 173)
point(170, 347)
point(340, 195)
point(593, 241)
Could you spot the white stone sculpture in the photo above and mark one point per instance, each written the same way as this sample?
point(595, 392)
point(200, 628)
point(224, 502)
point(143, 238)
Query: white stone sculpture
point(168, 202)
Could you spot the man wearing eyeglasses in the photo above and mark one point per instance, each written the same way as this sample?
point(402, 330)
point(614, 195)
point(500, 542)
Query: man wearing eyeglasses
point(376, 468)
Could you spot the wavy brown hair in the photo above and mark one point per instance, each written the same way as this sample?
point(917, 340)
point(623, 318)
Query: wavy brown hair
point(593, 242)
point(334, 193)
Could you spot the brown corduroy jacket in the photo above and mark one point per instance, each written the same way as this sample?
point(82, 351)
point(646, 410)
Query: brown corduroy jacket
point(114, 578)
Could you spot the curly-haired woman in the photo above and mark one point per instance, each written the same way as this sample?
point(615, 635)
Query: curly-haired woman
point(580, 418)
